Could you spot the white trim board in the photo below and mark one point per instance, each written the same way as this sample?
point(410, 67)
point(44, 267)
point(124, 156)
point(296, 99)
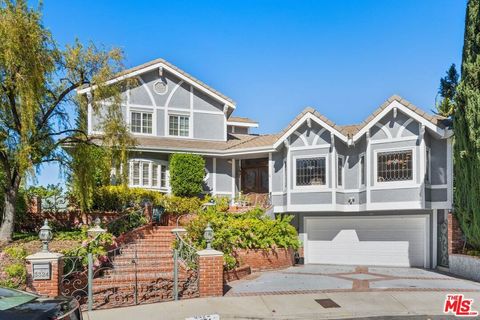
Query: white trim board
point(169, 69)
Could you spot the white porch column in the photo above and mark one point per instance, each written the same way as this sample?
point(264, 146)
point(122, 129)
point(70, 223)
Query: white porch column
point(423, 164)
point(270, 173)
point(333, 170)
point(369, 163)
point(233, 180)
point(214, 176)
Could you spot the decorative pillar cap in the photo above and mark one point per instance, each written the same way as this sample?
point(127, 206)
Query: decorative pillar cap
point(44, 256)
point(209, 253)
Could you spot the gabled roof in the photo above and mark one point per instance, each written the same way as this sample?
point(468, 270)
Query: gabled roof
point(157, 63)
point(355, 131)
point(434, 122)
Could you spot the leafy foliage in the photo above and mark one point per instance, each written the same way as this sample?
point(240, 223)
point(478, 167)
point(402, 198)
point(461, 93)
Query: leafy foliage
point(131, 220)
point(97, 246)
point(37, 91)
point(118, 198)
point(14, 268)
point(250, 230)
point(186, 174)
point(466, 127)
point(447, 90)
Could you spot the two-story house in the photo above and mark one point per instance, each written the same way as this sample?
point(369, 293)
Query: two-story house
point(375, 193)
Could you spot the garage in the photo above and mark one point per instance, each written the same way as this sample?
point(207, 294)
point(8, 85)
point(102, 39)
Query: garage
point(373, 240)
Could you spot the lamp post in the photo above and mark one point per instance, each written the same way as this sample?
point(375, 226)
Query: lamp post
point(45, 235)
point(96, 230)
point(208, 235)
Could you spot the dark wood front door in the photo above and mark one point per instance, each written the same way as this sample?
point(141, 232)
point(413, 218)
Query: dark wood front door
point(255, 176)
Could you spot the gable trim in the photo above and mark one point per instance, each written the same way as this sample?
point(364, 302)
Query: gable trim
point(313, 117)
point(395, 104)
point(169, 69)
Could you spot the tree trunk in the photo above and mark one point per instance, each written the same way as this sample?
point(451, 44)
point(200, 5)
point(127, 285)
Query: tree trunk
point(10, 200)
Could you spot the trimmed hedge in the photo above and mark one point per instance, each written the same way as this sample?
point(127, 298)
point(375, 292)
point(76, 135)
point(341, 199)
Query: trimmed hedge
point(186, 174)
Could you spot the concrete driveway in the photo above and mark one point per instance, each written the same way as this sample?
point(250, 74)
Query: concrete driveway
point(331, 278)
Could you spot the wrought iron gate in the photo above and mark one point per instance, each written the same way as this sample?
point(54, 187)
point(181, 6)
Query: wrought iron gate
point(117, 279)
point(442, 244)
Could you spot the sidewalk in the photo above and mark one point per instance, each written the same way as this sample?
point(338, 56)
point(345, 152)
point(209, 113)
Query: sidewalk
point(296, 306)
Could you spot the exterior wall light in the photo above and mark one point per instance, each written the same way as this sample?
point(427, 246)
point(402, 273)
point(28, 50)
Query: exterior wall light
point(45, 235)
point(208, 235)
point(96, 230)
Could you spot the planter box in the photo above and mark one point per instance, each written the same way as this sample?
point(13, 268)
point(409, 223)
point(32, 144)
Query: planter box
point(465, 266)
point(266, 259)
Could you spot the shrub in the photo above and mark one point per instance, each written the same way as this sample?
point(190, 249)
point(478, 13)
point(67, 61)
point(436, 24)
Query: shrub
point(251, 230)
point(130, 221)
point(186, 174)
point(118, 198)
point(14, 267)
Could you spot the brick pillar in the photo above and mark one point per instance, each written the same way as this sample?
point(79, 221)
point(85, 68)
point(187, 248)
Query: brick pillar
point(455, 236)
point(210, 273)
point(45, 287)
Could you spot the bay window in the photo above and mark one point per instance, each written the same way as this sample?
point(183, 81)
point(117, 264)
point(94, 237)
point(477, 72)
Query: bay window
point(148, 174)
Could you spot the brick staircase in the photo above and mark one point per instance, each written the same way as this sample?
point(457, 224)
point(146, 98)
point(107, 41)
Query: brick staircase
point(143, 266)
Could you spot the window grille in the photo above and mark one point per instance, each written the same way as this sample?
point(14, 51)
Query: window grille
point(179, 126)
point(394, 166)
point(310, 172)
point(141, 122)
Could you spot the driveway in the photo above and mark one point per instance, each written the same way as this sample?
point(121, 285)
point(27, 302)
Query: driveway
point(331, 278)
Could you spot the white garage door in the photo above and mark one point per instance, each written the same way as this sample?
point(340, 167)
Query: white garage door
point(382, 241)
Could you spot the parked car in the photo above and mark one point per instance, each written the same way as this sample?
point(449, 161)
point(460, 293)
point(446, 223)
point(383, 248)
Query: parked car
point(20, 305)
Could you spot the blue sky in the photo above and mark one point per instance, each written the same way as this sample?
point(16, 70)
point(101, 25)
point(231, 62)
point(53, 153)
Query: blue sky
point(276, 57)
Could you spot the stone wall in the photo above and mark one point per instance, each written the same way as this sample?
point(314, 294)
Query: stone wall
point(265, 259)
point(465, 266)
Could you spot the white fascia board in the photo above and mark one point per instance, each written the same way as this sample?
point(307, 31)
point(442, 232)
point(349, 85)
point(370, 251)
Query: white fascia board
point(317, 120)
point(206, 152)
point(156, 66)
point(395, 104)
point(243, 124)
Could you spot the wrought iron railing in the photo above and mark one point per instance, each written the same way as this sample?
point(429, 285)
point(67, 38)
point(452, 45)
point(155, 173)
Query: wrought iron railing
point(186, 254)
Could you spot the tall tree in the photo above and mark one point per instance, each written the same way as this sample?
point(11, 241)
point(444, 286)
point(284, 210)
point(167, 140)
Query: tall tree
point(37, 89)
point(467, 130)
point(447, 91)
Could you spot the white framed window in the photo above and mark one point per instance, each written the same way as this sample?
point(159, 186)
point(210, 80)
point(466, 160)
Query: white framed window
point(340, 170)
point(141, 122)
point(310, 171)
point(148, 174)
point(428, 166)
point(284, 175)
point(394, 166)
point(179, 125)
point(361, 163)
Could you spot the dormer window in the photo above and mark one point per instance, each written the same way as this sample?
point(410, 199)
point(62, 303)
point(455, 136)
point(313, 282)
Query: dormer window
point(179, 126)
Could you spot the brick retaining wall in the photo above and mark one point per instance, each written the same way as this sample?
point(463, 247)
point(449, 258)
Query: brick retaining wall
point(265, 259)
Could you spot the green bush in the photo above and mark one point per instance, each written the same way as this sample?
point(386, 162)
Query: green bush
point(128, 222)
point(186, 174)
point(118, 198)
point(14, 268)
point(251, 230)
point(16, 252)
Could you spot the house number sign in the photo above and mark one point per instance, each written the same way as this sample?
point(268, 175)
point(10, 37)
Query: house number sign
point(41, 271)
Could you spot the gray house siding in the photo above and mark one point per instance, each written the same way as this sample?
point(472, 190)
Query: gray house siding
point(224, 176)
point(207, 119)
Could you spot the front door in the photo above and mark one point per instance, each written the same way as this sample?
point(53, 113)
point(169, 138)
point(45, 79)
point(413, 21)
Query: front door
point(255, 176)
